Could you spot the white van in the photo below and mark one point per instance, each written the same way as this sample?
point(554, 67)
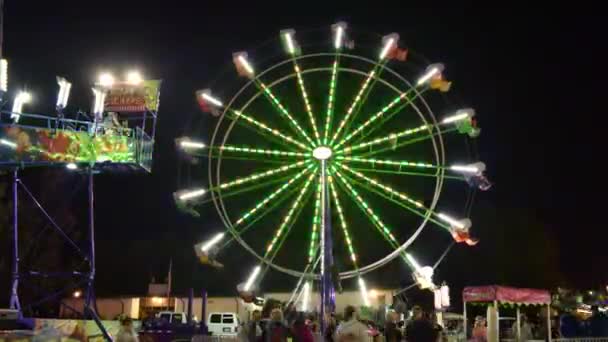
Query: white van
point(223, 323)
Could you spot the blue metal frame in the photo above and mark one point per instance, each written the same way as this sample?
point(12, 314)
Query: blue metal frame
point(143, 161)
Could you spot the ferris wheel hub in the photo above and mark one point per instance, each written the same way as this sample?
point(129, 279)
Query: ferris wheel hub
point(322, 153)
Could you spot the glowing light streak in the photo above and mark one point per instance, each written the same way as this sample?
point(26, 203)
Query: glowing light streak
point(263, 151)
point(261, 175)
point(289, 215)
point(363, 290)
point(270, 197)
point(390, 137)
point(284, 112)
point(311, 116)
point(272, 131)
point(375, 117)
point(252, 277)
point(353, 105)
point(331, 100)
point(217, 238)
point(343, 224)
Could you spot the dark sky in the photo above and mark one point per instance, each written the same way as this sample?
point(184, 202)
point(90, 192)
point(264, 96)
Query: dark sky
point(535, 79)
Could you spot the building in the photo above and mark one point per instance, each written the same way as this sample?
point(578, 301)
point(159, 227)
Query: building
point(143, 307)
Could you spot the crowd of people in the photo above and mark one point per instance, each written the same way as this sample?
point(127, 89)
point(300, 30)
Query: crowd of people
point(298, 327)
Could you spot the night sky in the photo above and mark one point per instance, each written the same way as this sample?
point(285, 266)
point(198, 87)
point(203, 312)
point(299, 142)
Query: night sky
point(534, 78)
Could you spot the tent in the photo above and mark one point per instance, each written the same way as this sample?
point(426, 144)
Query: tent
point(507, 295)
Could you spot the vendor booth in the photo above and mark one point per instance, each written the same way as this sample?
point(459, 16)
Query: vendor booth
point(497, 295)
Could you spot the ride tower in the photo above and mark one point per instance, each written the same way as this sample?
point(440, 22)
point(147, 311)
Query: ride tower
point(116, 136)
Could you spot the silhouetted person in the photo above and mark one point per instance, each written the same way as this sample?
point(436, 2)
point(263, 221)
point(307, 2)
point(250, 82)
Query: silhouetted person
point(420, 329)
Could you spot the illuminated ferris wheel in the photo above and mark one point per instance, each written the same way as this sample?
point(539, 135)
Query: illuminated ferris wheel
point(328, 162)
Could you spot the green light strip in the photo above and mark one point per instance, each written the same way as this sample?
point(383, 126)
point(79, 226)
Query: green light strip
point(400, 163)
point(392, 136)
point(406, 142)
point(394, 193)
point(388, 189)
point(331, 100)
point(368, 210)
point(343, 224)
point(272, 196)
point(353, 105)
point(311, 116)
point(402, 204)
point(375, 117)
point(289, 215)
point(257, 176)
point(284, 111)
point(272, 131)
point(315, 223)
point(263, 151)
point(434, 174)
point(394, 112)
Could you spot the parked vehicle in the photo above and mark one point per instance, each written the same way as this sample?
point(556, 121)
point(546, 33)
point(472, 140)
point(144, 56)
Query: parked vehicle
point(223, 323)
point(172, 317)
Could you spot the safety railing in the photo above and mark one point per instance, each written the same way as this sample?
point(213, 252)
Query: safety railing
point(38, 140)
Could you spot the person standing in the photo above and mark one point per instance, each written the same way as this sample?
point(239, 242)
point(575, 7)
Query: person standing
point(351, 330)
point(126, 333)
point(420, 328)
point(391, 331)
point(480, 331)
point(276, 330)
point(252, 331)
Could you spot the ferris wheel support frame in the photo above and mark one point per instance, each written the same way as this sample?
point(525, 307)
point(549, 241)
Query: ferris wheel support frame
point(90, 307)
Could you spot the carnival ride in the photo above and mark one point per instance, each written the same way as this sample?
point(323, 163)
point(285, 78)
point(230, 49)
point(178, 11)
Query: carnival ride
point(93, 143)
point(330, 125)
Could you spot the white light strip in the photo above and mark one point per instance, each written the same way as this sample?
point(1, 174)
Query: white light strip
point(339, 33)
point(464, 168)
point(451, 221)
point(290, 47)
point(413, 261)
point(427, 76)
point(192, 194)
point(186, 144)
point(3, 74)
point(64, 92)
point(217, 238)
point(252, 277)
point(387, 47)
point(245, 64)
point(212, 99)
point(306, 297)
point(456, 117)
point(8, 143)
point(363, 290)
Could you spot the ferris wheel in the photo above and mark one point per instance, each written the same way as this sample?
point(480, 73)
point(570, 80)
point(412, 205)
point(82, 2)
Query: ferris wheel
point(329, 161)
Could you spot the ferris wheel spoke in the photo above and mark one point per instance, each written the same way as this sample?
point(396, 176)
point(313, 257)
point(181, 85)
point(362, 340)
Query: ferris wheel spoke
point(272, 196)
point(406, 201)
point(397, 100)
point(316, 221)
point(260, 175)
point(331, 98)
point(237, 191)
point(283, 111)
point(407, 142)
point(356, 101)
point(344, 226)
point(382, 228)
point(311, 116)
point(257, 153)
point(397, 167)
point(261, 213)
point(289, 219)
point(249, 121)
point(409, 102)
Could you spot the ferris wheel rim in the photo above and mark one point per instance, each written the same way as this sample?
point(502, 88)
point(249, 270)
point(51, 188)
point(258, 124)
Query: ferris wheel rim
point(439, 156)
